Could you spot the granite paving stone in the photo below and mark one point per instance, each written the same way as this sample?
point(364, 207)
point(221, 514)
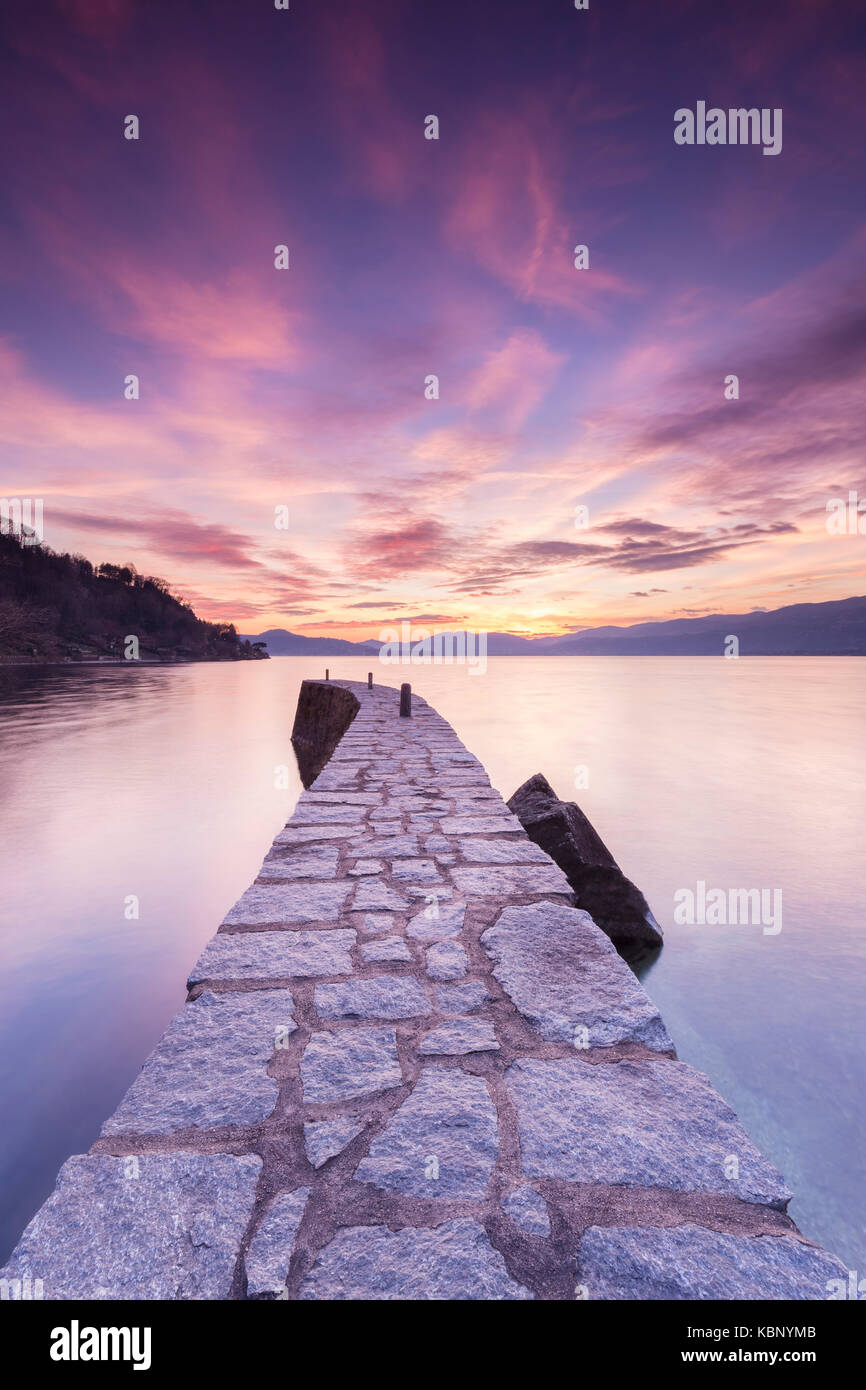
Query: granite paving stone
point(528, 1210)
point(506, 880)
point(303, 834)
point(479, 824)
point(442, 1142)
point(149, 1226)
point(324, 1139)
point(437, 921)
point(517, 850)
point(349, 1062)
point(635, 1123)
point(376, 895)
point(384, 996)
point(270, 1252)
point(446, 960)
point(209, 1067)
point(388, 948)
point(299, 865)
point(453, 1261)
point(565, 976)
point(689, 1262)
point(274, 955)
point(267, 904)
point(460, 1036)
point(445, 983)
point(461, 999)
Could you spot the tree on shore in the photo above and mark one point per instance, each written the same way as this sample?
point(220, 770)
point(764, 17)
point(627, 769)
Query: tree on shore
point(56, 607)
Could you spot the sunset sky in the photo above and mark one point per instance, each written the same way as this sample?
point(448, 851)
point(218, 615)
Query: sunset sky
point(559, 388)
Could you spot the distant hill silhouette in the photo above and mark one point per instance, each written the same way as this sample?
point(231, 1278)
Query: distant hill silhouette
point(835, 628)
point(282, 643)
point(62, 608)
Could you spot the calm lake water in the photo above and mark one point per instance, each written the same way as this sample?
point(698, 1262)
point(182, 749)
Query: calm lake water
point(161, 783)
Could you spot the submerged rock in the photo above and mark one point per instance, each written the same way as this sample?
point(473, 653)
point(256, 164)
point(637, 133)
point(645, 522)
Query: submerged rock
point(601, 888)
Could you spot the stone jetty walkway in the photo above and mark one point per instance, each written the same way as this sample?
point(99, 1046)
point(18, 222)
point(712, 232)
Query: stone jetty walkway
point(408, 1068)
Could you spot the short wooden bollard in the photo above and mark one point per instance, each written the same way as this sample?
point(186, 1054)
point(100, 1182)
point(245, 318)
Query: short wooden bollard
point(327, 674)
point(405, 701)
point(369, 680)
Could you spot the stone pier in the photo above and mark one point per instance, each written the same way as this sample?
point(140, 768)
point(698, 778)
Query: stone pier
point(409, 1068)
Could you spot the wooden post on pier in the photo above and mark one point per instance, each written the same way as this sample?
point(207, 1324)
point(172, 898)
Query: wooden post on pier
point(369, 680)
point(327, 674)
point(405, 700)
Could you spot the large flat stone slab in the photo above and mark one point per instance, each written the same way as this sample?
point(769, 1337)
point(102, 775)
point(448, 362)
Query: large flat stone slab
point(361, 867)
point(266, 904)
point(209, 1068)
point(335, 779)
point(454, 1261)
point(270, 1253)
point(303, 834)
point(350, 1062)
point(281, 868)
point(689, 1262)
point(324, 813)
point(479, 824)
point(507, 880)
point(387, 846)
point(639, 1123)
point(155, 1226)
point(517, 850)
point(437, 921)
point(566, 978)
point(375, 895)
point(446, 960)
point(383, 996)
point(388, 948)
point(442, 1142)
point(379, 921)
point(274, 955)
point(460, 999)
point(416, 871)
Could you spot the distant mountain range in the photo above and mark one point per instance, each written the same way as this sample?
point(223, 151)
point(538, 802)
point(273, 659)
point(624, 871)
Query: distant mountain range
point(837, 628)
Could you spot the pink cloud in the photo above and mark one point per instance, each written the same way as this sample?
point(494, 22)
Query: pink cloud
point(514, 378)
point(508, 215)
point(382, 147)
point(235, 319)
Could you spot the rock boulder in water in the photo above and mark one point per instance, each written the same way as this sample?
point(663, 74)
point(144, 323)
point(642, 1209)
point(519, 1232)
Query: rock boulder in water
point(601, 888)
